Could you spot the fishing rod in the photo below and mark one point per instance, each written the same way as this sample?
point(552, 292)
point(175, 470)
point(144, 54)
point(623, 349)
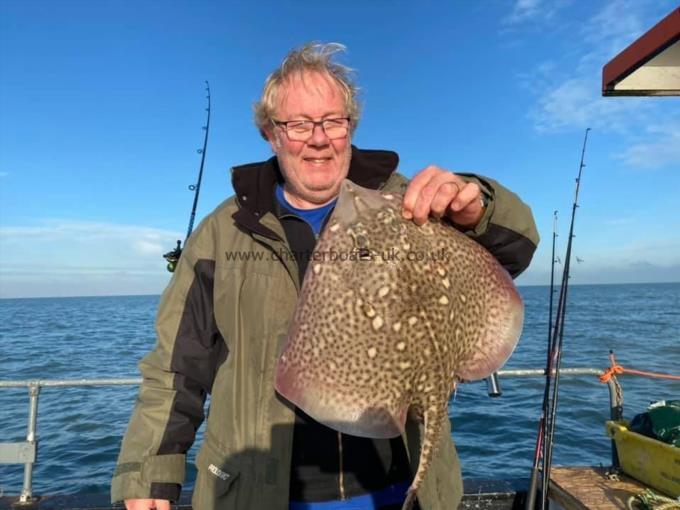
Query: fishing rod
point(552, 279)
point(558, 339)
point(545, 438)
point(173, 256)
point(531, 493)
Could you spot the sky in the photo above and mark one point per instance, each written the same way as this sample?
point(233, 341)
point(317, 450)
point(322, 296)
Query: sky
point(102, 106)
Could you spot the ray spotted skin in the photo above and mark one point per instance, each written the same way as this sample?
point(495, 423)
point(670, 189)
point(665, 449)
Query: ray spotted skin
point(391, 316)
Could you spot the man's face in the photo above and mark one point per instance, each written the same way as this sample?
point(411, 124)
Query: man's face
point(314, 169)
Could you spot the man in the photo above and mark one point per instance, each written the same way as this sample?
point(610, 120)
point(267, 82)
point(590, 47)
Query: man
point(224, 316)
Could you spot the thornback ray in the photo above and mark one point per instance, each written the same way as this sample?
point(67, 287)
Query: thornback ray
point(391, 316)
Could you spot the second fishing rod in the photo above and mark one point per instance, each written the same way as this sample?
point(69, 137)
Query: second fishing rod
point(546, 433)
point(558, 339)
point(533, 482)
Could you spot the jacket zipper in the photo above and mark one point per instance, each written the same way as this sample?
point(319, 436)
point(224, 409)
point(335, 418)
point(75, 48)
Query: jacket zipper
point(341, 475)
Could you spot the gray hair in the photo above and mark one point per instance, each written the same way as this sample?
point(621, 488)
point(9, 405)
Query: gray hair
point(311, 56)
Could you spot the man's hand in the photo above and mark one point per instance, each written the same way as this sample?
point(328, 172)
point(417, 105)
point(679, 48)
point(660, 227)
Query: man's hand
point(438, 192)
point(147, 504)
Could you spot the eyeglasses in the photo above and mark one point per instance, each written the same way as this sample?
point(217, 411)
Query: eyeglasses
point(302, 130)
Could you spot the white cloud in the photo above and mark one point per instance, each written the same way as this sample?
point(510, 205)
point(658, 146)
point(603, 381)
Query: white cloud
point(615, 26)
point(147, 247)
point(83, 257)
point(571, 94)
point(567, 88)
point(91, 229)
point(634, 272)
point(618, 222)
point(538, 78)
point(638, 260)
point(60, 229)
point(524, 11)
point(576, 104)
point(664, 252)
point(663, 150)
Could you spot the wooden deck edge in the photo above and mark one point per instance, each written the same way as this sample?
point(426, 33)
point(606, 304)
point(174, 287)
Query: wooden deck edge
point(596, 488)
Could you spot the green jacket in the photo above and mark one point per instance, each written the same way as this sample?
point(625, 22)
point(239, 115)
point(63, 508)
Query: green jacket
point(221, 323)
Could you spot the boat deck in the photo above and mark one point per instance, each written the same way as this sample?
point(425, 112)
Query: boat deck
point(585, 488)
point(571, 488)
point(479, 495)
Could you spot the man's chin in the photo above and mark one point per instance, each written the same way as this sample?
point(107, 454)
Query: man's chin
point(324, 185)
point(321, 194)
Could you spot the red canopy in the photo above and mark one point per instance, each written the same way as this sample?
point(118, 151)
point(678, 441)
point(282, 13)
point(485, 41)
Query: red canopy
point(650, 66)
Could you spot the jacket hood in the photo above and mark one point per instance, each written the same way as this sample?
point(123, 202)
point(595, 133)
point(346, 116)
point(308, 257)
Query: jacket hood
point(254, 183)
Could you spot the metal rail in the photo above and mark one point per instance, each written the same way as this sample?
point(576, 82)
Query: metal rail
point(25, 452)
point(39, 383)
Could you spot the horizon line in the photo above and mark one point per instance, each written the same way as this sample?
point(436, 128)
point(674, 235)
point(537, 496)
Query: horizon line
point(5, 298)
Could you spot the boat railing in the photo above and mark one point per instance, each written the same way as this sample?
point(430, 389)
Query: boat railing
point(25, 452)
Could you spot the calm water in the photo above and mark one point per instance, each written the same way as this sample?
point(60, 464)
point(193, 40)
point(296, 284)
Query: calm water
point(80, 428)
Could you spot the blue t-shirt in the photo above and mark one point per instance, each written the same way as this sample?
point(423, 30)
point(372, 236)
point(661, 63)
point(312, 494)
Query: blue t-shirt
point(314, 217)
point(391, 496)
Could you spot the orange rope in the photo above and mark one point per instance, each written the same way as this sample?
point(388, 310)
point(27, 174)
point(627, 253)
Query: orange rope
point(615, 369)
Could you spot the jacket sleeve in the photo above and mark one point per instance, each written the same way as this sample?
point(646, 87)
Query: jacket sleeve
point(507, 228)
point(177, 375)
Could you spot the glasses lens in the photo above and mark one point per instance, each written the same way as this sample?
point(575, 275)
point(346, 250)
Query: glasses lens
point(335, 128)
point(301, 131)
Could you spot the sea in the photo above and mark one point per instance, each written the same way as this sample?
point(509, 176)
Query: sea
point(80, 429)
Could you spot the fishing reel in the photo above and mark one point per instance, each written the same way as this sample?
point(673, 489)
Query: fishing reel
point(173, 257)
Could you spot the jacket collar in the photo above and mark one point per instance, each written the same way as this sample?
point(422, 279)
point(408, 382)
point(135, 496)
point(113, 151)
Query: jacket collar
point(254, 183)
